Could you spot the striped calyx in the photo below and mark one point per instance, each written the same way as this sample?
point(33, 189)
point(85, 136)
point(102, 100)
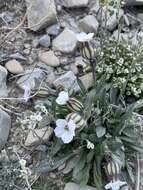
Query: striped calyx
point(74, 105)
point(113, 169)
point(42, 93)
point(87, 51)
point(78, 120)
point(60, 88)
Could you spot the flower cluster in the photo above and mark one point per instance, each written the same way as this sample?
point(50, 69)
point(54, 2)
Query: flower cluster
point(122, 68)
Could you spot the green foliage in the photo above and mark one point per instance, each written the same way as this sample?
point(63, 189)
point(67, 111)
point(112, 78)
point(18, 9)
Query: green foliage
point(110, 128)
point(122, 67)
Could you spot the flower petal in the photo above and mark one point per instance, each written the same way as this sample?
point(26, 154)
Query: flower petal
point(115, 185)
point(62, 98)
point(59, 130)
point(72, 127)
point(83, 37)
point(67, 137)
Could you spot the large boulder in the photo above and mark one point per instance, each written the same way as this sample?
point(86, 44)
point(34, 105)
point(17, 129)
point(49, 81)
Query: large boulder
point(66, 42)
point(5, 124)
point(75, 3)
point(41, 13)
point(3, 77)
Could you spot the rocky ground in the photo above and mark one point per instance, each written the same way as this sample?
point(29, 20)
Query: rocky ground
point(38, 46)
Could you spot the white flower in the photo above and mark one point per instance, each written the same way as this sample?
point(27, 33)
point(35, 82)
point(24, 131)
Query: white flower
point(62, 98)
point(83, 37)
point(90, 145)
point(115, 185)
point(65, 130)
point(27, 91)
point(38, 117)
point(22, 163)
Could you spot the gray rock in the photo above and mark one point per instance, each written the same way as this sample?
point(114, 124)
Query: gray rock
point(38, 136)
point(45, 41)
point(112, 20)
point(89, 24)
point(66, 42)
point(87, 80)
point(49, 58)
point(75, 3)
point(68, 81)
point(3, 77)
point(17, 56)
point(5, 125)
point(14, 67)
point(41, 13)
point(32, 78)
point(95, 8)
point(74, 186)
point(133, 2)
point(53, 30)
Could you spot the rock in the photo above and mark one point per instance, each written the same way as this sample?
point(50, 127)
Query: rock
point(95, 8)
point(3, 77)
point(5, 125)
point(87, 80)
point(45, 41)
point(140, 16)
point(112, 20)
point(41, 13)
point(74, 186)
point(74, 68)
point(17, 56)
point(75, 3)
point(32, 78)
point(53, 30)
point(89, 24)
point(49, 58)
point(14, 67)
point(66, 42)
point(133, 2)
point(68, 81)
point(38, 136)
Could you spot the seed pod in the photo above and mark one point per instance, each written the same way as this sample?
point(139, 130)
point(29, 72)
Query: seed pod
point(42, 93)
point(113, 169)
point(60, 88)
point(74, 105)
point(78, 120)
point(87, 51)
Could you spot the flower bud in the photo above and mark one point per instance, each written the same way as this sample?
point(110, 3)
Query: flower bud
point(113, 169)
point(87, 51)
point(78, 120)
point(74, 105)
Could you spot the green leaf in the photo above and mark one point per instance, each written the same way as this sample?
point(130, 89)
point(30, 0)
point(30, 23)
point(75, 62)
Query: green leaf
point(97, 176)
point(90, 156)
point(82, 87)
point(85, 173)
point(79, 166)
point(50, 166)
point(130, 172)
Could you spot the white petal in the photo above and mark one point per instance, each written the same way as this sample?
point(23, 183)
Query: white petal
point(72, 127)
point(59, 130)
point(83, 37)
point(115, 185)
point(62, 98)
point(67, 137)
